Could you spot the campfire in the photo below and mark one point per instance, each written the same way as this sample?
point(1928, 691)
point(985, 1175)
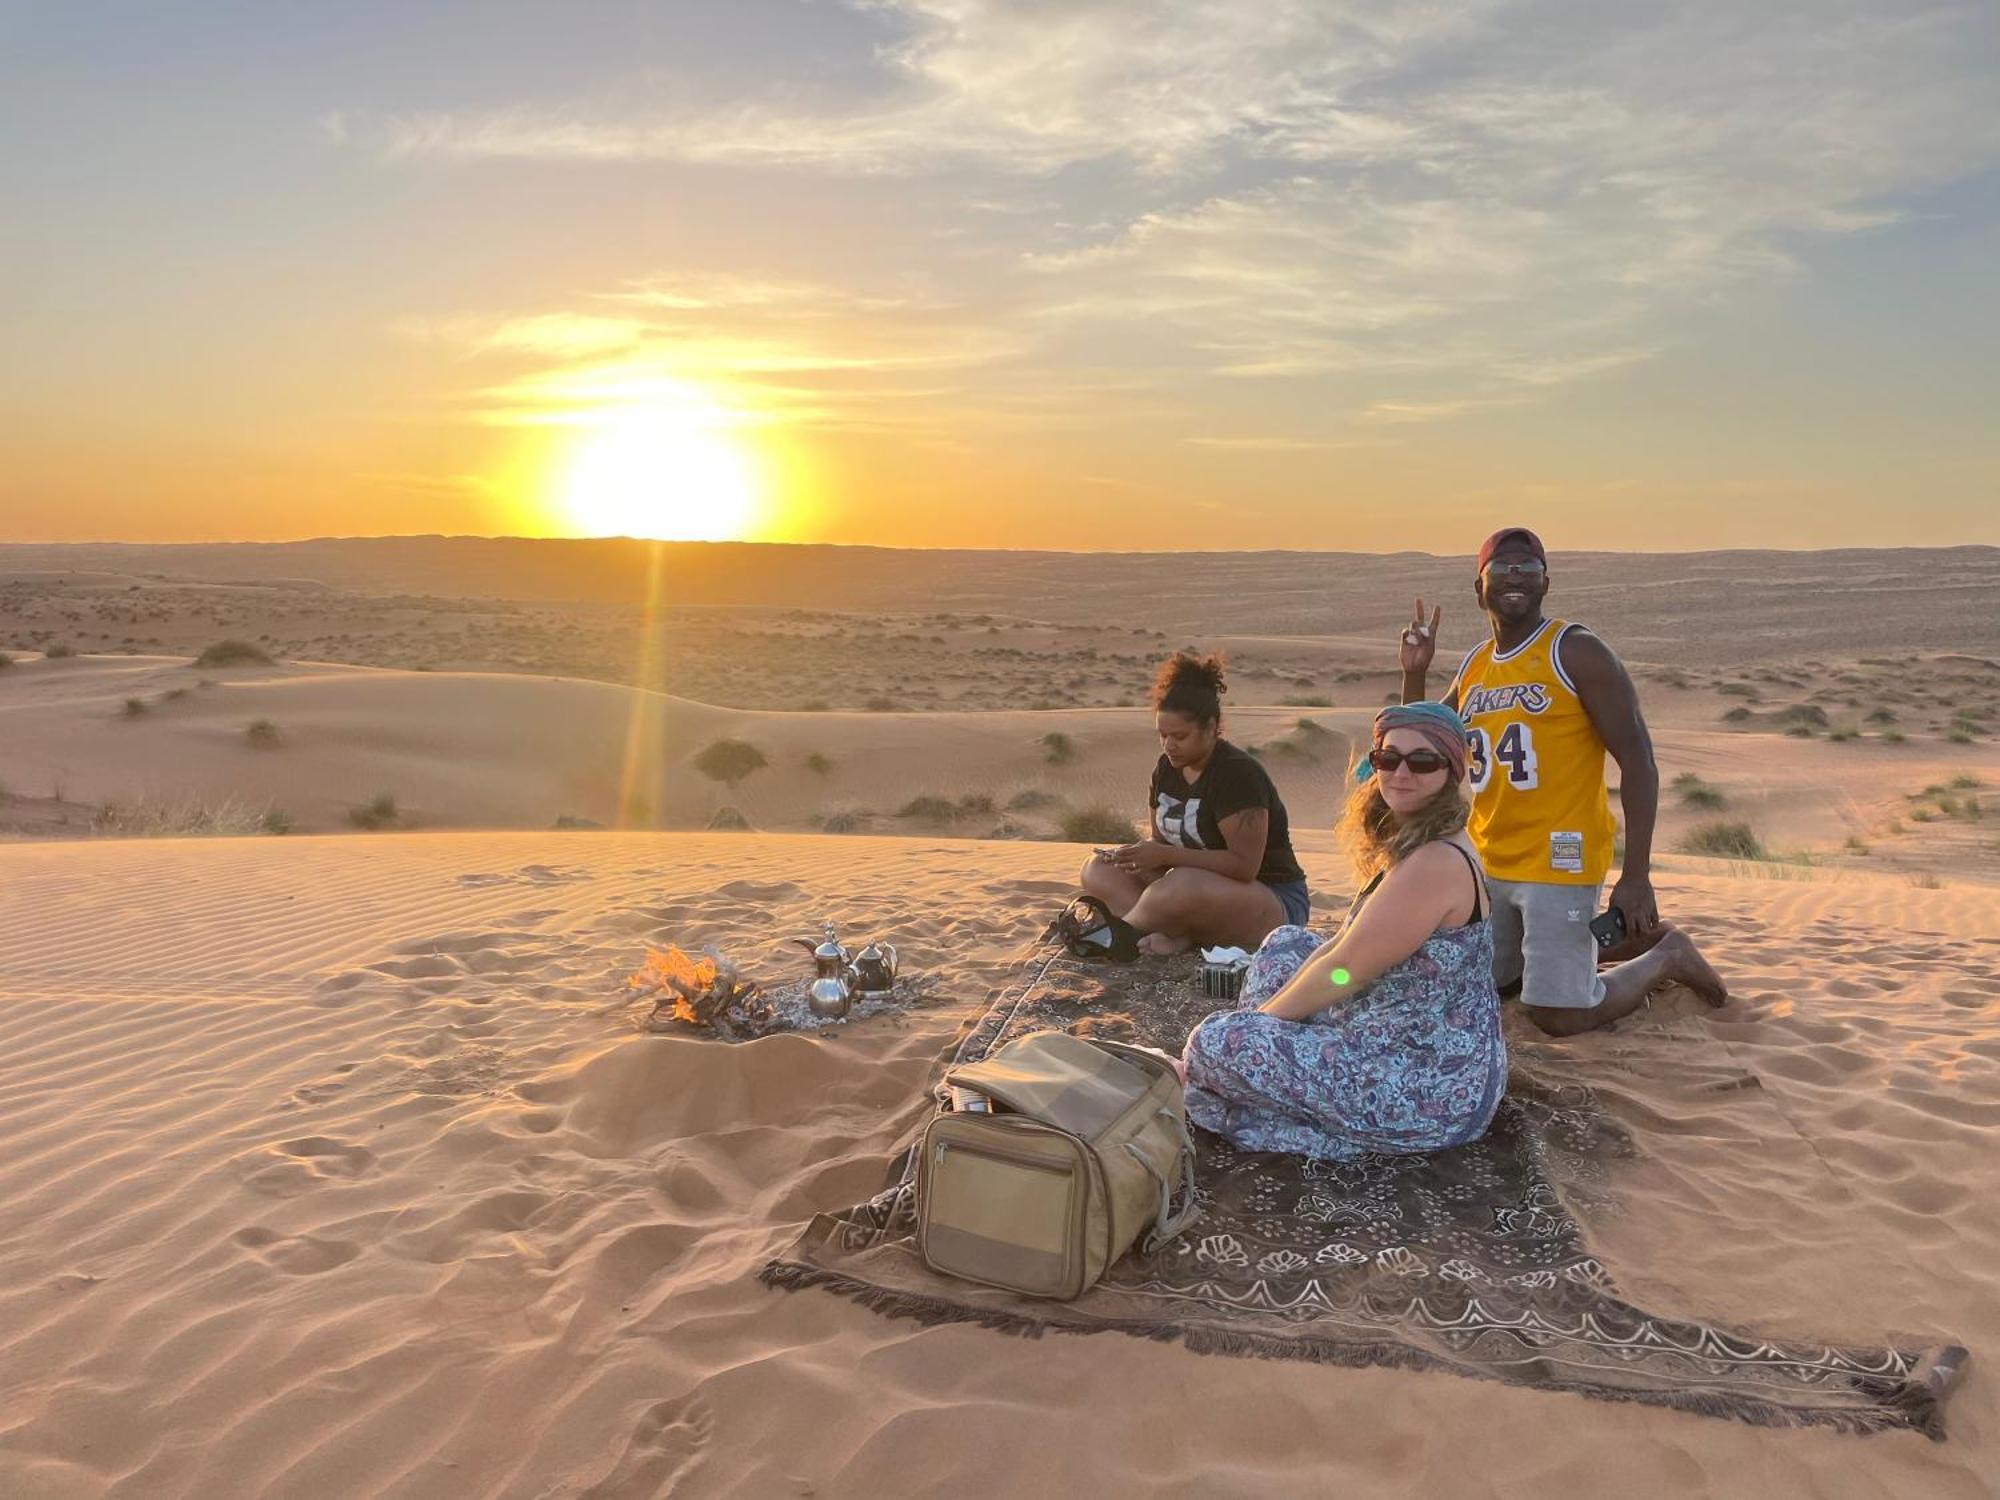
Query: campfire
point(703, 991)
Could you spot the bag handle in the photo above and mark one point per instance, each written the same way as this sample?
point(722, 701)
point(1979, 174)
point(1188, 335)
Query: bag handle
point(1168, 1223)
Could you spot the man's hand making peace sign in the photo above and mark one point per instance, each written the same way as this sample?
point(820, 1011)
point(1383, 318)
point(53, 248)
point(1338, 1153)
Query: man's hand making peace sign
point(1420, 640)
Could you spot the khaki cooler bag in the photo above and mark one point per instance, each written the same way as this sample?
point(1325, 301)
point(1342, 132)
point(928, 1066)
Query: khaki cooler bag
point(1084, 1150)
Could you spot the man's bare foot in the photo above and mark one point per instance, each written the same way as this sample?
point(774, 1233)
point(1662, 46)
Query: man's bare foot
point(1685, 965)
point(1161, 945)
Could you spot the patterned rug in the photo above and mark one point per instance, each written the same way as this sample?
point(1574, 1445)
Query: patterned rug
point(1471, 1260)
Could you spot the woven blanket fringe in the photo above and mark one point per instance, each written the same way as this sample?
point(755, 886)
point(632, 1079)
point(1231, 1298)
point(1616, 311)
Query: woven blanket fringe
point(1915, 1407)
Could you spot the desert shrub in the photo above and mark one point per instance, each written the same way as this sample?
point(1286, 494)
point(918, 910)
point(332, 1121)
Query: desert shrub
point(1840, 736)
point(1731, 840)
point(1736, 690)
point(843, 819)
point(59, 650)
point(1736, 715)
point(178, 817)
point(930, 809)
point(136, 708)
point(1809, 714)
point(173, 695)
point(1855, 845)
point(1058, 749)
point(1308, 729)
point(1922, 815)
point(276, 822)
point(1801, 731)
point(975, 805)
point(1964, 781)
point(1881, 716)
point(1030, 798)
point(728, 819)
point(1097, 825)
point(1893, 737)
point(818, 764)
point(6, 661)
point(233, 653)
point(1694, 792)
point(729, 761)
point(1958, 735)
point(262, 734)
point(1925, 881)
point(1306, 701)
point(880, 705)
point(379, 811)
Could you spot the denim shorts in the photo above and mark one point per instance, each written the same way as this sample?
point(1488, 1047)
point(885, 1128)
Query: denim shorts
point(1292, 897)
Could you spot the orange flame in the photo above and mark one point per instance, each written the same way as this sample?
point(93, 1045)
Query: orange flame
point(676, 973)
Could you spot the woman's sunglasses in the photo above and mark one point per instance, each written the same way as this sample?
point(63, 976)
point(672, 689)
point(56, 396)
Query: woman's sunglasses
point(1420, 762)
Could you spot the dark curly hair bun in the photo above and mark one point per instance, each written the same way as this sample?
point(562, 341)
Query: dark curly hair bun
point(1192, 685)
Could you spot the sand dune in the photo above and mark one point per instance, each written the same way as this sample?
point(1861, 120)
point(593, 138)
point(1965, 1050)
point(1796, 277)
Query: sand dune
point(341, 1167)
point(472, 750)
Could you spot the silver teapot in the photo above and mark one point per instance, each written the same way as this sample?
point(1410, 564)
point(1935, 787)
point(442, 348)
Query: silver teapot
point(831, 994)
point(874, 969)
point(829, 997)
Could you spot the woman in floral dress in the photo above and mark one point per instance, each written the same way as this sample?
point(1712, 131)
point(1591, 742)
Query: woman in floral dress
point(1387, 1037)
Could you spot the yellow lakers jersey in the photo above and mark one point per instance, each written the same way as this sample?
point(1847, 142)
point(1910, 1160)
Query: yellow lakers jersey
point(1536, 771)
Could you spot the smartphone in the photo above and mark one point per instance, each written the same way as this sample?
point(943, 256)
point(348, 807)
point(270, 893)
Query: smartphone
point(1609, 929)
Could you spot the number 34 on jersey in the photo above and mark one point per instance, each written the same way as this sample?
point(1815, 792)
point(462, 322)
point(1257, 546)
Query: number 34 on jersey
point(1513, 751)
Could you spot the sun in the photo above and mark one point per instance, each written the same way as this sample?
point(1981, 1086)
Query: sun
point(671, 474)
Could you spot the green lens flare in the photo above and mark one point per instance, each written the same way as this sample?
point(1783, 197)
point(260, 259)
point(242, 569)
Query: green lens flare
point(1340, 976)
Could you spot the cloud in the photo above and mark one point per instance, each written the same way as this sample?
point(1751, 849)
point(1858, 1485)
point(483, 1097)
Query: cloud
point(1433, 205)
point(749, 350)
point(1282, 444)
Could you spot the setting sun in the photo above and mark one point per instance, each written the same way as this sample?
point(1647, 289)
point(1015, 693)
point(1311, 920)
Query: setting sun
point(662, 473)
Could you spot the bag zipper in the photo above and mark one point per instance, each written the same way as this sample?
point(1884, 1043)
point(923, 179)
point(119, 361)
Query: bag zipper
point(1012, 1158)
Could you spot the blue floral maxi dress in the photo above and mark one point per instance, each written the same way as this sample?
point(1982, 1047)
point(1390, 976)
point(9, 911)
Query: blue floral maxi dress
point(1413, 1062)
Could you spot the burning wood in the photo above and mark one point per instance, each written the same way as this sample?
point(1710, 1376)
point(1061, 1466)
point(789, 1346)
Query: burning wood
point(704, 991)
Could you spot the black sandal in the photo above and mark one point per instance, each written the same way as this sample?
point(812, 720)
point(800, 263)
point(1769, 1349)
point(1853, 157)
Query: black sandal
point(1089, 930)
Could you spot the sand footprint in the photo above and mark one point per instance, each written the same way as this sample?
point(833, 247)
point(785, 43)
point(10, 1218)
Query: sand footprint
point(667, 1444)
point(304, 1162)
point(296, 1254)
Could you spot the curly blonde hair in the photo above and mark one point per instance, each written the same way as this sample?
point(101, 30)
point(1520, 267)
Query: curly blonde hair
point(1375, 838)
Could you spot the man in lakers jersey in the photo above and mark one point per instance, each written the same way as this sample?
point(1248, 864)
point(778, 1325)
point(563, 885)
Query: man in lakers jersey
point(1544, 700)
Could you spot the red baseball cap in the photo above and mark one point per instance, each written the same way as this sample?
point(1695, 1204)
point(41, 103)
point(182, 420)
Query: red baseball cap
point(1505, 535)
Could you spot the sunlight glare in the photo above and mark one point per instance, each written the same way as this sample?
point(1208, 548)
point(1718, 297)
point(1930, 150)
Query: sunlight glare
point(664, 473)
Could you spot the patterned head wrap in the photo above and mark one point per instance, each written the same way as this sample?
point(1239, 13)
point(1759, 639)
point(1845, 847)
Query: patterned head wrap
point(1436, 723)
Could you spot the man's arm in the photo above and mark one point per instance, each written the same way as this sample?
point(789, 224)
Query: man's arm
point(1613, 705)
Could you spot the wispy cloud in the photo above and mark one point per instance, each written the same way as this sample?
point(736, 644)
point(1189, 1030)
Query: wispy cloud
point(1441, 206)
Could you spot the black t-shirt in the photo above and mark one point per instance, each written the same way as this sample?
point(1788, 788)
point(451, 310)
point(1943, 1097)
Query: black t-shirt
point(1191, 816)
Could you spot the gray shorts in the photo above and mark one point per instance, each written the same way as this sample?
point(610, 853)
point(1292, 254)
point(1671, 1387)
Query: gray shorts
point(1541, 939)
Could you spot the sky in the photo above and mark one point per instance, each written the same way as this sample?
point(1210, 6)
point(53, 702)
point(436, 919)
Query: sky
point(1365, 274)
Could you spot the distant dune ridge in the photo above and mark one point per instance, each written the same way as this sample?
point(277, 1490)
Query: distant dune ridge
point(1672, 607)
point(341, 1165)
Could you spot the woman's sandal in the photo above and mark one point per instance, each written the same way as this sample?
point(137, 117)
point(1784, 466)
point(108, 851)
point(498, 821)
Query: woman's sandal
point(1089, 930)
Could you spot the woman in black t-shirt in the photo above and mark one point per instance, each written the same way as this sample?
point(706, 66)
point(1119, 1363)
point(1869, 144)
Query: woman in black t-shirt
point(1217, 864)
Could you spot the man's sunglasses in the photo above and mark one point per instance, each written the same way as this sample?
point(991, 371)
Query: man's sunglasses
point(1420, 762)
point(1526, 571)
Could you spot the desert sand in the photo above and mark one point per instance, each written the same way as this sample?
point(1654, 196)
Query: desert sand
point(340, 1166)
point(341, 1163)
